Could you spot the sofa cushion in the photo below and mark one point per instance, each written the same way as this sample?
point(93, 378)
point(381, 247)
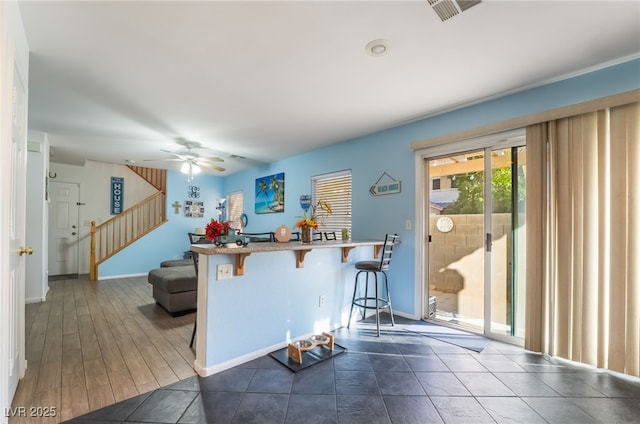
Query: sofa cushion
point(175, 279)
point(176, 262)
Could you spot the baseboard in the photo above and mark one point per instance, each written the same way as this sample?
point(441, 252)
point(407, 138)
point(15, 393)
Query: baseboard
point(113, 277)
point(223, 366)
point(34, 300)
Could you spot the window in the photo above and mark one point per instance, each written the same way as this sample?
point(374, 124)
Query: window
point(235, 208)
point(335, 189)
point(435, 184)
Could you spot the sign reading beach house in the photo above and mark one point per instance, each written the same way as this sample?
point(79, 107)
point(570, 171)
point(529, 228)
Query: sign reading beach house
point(117, 195)
point(385, 187)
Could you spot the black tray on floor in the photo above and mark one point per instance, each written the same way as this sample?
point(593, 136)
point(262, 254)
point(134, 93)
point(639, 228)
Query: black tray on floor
point(309, 358)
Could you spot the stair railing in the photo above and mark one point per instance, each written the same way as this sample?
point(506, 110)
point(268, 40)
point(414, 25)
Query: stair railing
point(113, 235)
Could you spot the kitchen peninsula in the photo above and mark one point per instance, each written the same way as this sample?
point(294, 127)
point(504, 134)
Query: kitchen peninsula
point(276, 292)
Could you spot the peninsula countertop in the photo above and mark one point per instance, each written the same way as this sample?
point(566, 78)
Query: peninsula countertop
point(300, 249)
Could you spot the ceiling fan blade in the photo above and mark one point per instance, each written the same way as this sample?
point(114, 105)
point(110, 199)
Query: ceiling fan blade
point(164, 160)
point(212, 159)
point(182, 157)
point(211, 166)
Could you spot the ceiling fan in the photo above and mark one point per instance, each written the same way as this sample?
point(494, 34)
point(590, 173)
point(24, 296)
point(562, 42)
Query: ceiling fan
point(191, 161)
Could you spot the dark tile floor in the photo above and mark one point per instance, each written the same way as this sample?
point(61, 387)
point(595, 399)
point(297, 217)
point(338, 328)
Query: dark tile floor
point(401, 377)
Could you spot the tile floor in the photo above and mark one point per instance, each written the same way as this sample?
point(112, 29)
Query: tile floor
point(401, 377)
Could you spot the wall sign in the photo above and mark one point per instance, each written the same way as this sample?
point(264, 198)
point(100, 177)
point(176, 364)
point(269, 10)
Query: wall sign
point(385, 187)
point(117, 195)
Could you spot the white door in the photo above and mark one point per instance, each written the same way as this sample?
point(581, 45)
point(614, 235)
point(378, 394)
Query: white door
point(12, 194)
point(63, 228)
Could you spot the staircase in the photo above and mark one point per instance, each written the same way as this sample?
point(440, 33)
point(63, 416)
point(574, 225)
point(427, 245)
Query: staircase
point(124, 229)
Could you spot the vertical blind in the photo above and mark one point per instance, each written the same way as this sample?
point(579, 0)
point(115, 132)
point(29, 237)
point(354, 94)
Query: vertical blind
point(335, 189)
point(583, 230)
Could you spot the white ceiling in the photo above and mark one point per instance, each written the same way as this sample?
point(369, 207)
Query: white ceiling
point(114, 81)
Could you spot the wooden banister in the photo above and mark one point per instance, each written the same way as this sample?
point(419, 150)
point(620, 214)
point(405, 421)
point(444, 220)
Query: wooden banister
point(122, 230)
point(155, 177)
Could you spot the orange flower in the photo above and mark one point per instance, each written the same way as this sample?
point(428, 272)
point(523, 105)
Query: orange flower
point(307, 222)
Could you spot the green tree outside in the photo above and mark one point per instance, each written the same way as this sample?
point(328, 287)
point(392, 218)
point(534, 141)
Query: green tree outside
point(471, 192)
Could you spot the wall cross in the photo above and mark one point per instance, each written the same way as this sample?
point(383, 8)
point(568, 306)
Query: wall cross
point(176, 207)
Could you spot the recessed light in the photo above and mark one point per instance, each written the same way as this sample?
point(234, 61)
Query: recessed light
point(129, 161)
point(377, 47)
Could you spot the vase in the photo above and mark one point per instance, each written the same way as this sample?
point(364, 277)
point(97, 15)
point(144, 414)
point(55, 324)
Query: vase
point(306, 234)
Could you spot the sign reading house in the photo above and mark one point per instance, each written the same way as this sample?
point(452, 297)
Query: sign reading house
point(117, 195)
point(385, 187)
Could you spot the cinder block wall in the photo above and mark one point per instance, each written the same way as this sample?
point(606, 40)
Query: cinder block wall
point(456, 263)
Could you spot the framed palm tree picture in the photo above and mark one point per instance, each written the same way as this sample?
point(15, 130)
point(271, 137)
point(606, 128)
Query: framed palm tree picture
point(270, 193)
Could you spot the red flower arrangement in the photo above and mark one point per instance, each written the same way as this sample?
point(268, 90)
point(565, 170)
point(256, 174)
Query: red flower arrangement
point(216, 228)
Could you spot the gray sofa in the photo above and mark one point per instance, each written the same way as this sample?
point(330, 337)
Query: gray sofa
point(175, 286)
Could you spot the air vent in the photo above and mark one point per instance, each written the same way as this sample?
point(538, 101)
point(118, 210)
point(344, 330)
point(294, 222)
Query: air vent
point(447, 9)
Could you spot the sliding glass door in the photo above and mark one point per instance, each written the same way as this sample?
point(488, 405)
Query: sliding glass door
point(475, 238)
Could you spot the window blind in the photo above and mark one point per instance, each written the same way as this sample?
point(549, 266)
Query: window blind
point(336, 189)
point(235, 206)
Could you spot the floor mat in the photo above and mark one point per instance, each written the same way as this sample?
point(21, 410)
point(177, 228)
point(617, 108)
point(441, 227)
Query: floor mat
point(309, 358)
point(459, 338)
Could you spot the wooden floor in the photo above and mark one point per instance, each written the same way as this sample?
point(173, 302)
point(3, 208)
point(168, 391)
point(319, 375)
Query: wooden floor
point(92, 344)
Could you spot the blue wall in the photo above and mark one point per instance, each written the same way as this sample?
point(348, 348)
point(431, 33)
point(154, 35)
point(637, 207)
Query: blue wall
point(170, 240)
point(368, 157)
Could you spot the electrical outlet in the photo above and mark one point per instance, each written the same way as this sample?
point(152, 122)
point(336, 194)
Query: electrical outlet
point(224, 271)
point(407, 224)
point(321, 301)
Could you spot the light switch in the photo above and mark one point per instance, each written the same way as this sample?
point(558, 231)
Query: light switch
point(224, 271)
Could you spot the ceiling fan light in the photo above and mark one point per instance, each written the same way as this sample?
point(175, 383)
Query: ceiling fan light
point(195, 169)
point(184, 168)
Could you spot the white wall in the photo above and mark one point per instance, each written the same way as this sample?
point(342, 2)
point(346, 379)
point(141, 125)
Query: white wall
point(94, 180)
point(36, 284)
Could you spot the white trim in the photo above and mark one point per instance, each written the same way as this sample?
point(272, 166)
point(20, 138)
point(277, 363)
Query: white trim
point(420, 237)
point(503, 139)
point(35, 300)
point(223, 366)
point(113, 277)
point(243, 359)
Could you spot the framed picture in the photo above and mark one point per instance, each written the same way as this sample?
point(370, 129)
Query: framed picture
point(194, 209)
point(270, 194)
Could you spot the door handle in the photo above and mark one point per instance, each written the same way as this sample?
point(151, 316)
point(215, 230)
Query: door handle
point(25, 250)
point(489, 242)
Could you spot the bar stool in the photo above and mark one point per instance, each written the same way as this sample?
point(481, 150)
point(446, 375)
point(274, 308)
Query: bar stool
point(376, 302)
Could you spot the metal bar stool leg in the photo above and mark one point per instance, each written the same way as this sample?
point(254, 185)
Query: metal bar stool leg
point(375, 274)
point(386, 285)
point(366, 295)
point(353, 299)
